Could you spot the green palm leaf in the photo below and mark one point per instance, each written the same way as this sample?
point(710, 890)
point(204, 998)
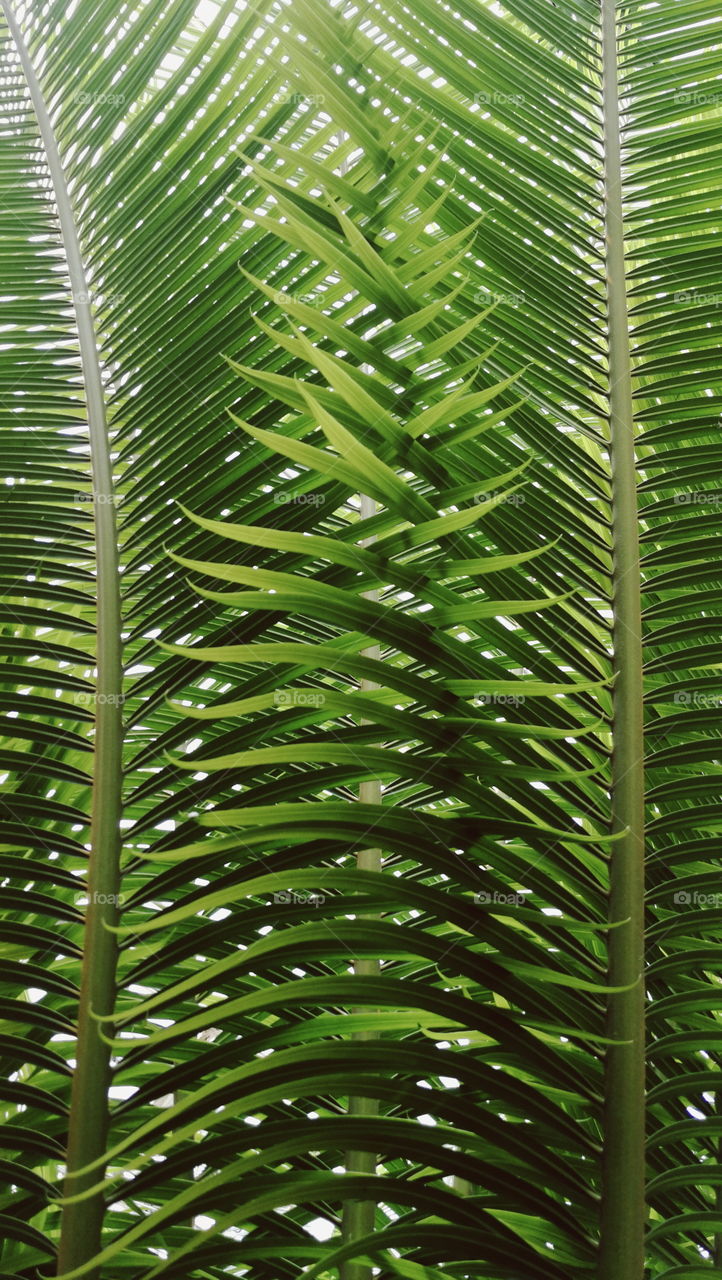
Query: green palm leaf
point(398, 528)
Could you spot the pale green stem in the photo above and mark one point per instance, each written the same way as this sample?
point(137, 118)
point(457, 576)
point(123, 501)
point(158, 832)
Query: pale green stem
point(359, 1215)
point(82, 1223)
point(623, 1212)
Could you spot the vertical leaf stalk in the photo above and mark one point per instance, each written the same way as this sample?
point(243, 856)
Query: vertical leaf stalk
point(623, 1215)
point(359, 1216)
point(82, 1223)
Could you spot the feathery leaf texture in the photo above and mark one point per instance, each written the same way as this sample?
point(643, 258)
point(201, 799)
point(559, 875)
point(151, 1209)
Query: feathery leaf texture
point(415, 199)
